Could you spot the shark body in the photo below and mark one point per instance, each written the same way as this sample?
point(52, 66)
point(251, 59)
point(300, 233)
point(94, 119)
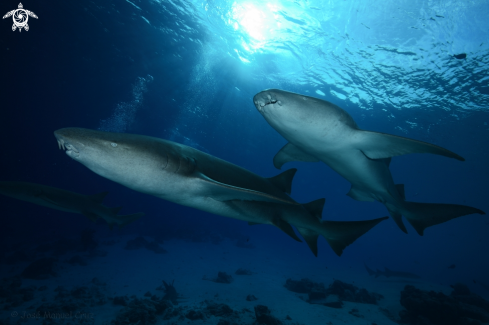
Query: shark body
point(63, 200)
point(189, 177)
point(318, 130)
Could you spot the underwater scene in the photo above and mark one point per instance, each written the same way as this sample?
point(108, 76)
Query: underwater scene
point(235, 162)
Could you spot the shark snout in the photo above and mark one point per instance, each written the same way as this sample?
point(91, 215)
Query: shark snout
point(66, 145)
point(265, 98)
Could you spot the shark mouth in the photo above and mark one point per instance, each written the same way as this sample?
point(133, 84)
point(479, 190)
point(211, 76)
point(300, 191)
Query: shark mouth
point(260, 104)
point(70, 150)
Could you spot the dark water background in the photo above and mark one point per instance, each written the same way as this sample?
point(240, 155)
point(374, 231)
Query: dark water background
point(185, 75)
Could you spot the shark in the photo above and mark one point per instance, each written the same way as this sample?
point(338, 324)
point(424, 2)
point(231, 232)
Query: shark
point(189, 177)
point(55, 198)
point(317, 130)
point(390, 273)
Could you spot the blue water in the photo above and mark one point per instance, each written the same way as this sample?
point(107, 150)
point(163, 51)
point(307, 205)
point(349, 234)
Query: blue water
point(187, 71)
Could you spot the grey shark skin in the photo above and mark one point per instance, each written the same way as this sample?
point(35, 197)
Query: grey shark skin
point(189, 177)
point(391, 273)
point(59, 199)
point(318, 130)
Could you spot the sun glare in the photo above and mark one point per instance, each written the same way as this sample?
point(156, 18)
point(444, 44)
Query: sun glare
point(258, 21)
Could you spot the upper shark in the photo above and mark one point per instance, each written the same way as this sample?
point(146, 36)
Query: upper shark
point(318, 130)
point(59, 199)
point(189, 177)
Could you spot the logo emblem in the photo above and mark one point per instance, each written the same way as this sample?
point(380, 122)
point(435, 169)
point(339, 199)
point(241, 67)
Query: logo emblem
point(20, 17)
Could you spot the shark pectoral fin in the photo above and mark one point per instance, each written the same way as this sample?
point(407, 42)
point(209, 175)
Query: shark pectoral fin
point(288, 153)
point(377, 145)
point(311, 239)
point(340, 234)
point(424, 215)
point(98, 198)
point(224, 192)
point(397, 216)
point(283, 181)
point(90, 215)
point(285, 227)
point(315, 208)
point(359, 195)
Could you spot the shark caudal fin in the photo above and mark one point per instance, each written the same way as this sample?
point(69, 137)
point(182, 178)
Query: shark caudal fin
point(424, 215)
point(122, 221)
point(340, 234)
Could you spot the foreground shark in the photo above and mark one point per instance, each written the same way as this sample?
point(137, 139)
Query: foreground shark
point(318, 130)
point(390, 273)
point(55, 198)
point(189, 177)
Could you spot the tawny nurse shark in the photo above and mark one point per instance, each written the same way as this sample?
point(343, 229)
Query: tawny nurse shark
point(189, 177)
point(55, 198)
point(318, 130)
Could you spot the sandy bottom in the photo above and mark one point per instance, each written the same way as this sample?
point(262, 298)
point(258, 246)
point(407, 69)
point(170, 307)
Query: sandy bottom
point(189, 264)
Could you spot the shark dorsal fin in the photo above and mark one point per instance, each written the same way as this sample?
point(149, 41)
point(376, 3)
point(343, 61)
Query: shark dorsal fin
point(315, 208)
point(98, 198)
point(283, 181)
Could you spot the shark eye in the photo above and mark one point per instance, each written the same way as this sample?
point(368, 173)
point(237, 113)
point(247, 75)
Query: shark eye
point(113, 144)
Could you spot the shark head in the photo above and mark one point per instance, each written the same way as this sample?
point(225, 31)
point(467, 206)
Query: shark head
point(289, 112)
point(121, 157)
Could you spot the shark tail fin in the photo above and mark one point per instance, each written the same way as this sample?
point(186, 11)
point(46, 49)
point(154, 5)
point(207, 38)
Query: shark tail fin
point(283, 181)
point(340, 234)
point(424, 215)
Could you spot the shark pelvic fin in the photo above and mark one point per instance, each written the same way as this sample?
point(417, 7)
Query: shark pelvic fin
point(224, 192)
point(285, 227)
point(397, 216)
point(288, 153)
point(98, 198)
point(283, 181)
point(377, 145)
